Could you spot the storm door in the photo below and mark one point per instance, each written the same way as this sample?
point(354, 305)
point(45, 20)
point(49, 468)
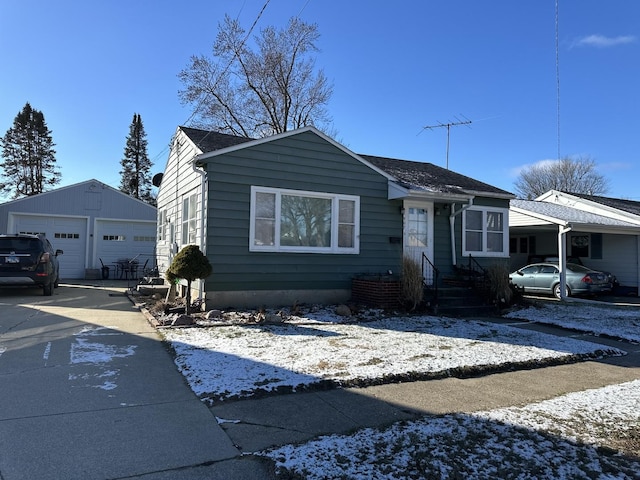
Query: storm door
point(418, 236)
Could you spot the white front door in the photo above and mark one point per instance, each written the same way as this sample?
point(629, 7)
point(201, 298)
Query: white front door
point(418, 236)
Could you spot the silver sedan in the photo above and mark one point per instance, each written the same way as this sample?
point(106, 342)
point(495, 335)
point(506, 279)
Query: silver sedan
point(545, 278)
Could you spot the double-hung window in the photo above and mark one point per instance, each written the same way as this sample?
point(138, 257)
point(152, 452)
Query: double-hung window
point(485, 232)
point(162, 219)
point(189, 216)
point(304, 222)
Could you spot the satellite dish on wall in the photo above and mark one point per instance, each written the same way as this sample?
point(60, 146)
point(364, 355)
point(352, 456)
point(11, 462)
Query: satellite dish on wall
point(157, 179)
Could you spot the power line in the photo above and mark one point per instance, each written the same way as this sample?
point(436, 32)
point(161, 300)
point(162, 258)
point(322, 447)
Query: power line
point(202, 100)
point(448, 126)
point(557, 81)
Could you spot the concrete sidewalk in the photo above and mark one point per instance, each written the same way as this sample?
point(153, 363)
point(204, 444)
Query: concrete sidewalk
point(259, 424)
point(89, 391)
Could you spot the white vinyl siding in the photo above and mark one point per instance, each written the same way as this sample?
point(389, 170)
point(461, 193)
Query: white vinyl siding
point(304, 222)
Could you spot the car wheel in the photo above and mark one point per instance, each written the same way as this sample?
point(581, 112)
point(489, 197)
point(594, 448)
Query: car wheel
point(556, 291)
point(47, 289)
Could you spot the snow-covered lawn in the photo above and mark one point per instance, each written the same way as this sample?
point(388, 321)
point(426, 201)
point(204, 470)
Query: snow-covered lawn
point(618, 322)
point(554, 439)
point(232, 361)
point(559, 438)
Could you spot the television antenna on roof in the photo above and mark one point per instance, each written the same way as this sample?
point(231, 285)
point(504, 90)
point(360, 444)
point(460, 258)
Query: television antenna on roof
point(448, 125)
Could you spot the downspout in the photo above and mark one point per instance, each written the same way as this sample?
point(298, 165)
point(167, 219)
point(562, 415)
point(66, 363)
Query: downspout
point(562, 258)
point(203, 217)
point(452, 225)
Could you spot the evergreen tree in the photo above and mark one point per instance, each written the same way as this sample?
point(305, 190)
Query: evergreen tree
point(29, 164)
point(136, 166)
point(190, 264)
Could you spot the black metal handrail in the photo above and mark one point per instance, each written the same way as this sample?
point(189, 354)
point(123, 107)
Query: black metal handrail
point(473, 262)
point(436, 276)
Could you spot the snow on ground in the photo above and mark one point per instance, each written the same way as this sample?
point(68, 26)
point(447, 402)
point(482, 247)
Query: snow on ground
point(554, 439)
point(91, 358)
point(238, 360)
point(616, 322)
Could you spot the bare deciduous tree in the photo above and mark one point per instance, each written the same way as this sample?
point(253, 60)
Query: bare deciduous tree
point(261, 92)
point(571, 175)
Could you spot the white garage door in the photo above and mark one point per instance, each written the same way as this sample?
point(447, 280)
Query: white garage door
point(65, 233)
point(129, 240)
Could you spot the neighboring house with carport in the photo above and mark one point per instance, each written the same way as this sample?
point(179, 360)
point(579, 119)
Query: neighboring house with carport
point(297, 216)
point(603, 232)
point(90, 222)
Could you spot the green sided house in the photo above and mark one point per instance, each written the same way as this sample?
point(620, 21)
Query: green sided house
point(296, 217)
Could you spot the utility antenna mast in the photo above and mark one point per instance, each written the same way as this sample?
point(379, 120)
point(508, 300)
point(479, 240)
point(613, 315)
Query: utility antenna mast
point(448, 126)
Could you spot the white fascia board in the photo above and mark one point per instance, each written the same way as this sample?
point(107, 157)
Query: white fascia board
point(399, 192)
point(502, 196)
point(539, 216)
point(579, 203)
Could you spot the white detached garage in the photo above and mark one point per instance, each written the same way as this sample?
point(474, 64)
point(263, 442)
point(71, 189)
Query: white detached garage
point(89, 221)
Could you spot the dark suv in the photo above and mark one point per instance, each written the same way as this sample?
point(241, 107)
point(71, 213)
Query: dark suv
point(29, 260)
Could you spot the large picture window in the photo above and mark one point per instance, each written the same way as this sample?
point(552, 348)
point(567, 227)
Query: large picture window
point(485, 232)
point(297, 221)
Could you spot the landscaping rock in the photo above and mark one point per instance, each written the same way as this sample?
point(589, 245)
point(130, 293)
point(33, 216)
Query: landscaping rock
point(272, 319)
point(213, 315)
point(182, 320)
point(343, 311)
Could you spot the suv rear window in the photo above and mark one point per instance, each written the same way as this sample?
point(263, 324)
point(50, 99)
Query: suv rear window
point(20, 245)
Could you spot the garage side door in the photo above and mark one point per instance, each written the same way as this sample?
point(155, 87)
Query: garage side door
point(125, 240)
point(65, 233)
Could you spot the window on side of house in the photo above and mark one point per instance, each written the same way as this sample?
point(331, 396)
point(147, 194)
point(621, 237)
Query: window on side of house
point(303, 222)
point(485, 232)
point(189, 216)
point(521, 244)
point(162, 219)
point(580, 245)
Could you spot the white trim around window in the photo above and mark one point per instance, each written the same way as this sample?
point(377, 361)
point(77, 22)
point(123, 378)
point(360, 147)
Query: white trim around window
point(485, 232)
point(297, 221)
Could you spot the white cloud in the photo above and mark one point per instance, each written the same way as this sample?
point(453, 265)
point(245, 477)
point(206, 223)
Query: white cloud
point(516, 171)
point(600, 41)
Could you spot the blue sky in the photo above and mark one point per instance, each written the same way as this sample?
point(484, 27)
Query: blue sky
point(396, 67)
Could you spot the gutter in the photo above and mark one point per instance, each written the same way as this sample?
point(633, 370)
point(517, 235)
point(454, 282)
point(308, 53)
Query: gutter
point(203, 209)
point(452, 224)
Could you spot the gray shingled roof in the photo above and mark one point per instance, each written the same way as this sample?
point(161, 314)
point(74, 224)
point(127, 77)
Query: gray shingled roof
point(430, 177)
point(628, 206)
point(568, 214)
point(412, 175)
point(209, 141)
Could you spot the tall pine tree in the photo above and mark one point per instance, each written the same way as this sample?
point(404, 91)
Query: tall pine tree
point(136, 166)
point(29, 163)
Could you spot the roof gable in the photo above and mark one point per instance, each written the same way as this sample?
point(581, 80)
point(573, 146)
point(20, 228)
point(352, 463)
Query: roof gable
point(87, 184)
point(628, 206)
point(626, 210)
point(564, 214)
point(410, 175)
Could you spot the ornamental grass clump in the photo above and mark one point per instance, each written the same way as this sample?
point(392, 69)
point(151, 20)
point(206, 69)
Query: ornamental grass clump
point(412, 283)
point(499, 287)
point(189, 264)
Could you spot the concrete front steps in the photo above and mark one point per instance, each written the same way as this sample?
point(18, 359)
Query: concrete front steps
point(459, 301)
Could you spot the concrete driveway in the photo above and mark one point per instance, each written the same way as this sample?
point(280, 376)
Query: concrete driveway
point(88, 391)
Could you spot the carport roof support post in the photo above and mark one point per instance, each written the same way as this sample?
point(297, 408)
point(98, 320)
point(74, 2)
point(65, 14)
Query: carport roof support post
point(562, 258)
